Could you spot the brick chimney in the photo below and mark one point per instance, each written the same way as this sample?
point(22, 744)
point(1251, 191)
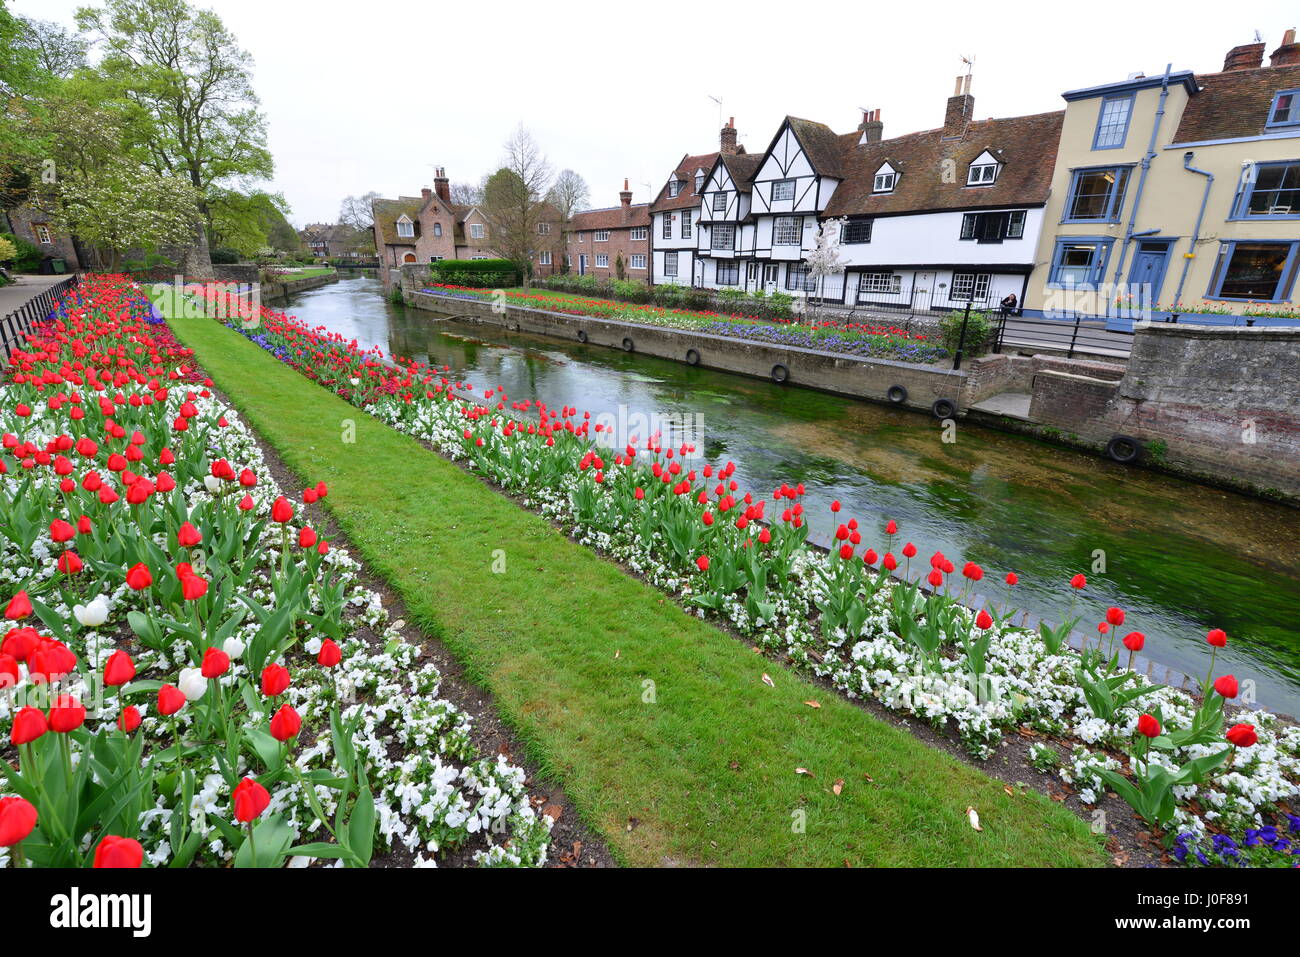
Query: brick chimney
point(728, 137)
point(426, 193)
point(625, 195)
point(442, 185)
point(961, 108)
point(1248, 56)
point(872, 126)
point(1288, 54)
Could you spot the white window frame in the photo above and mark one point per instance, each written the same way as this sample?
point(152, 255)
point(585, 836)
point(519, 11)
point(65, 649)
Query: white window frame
point(722, 229)
point(719, 204)
point(640, 233)
point(602, 260)
point(544, 258)
point(636, 261)
point(405, 228)
point(970, 285)
point(733, 272)
point(781, 184)
point(686, 224)
point(543, 229)
point(787, 231)
point(670, 263)
point(675, 187)
point(667, 231)
point(601, 236)
point(983, 174)
point(477, 231)
point(886, 282)
point(885, 180)
point(771, 272)
point(437, 229)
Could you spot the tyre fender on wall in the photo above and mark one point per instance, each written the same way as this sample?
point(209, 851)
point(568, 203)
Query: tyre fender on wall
point(628, 345)
point(780, 373)
point(896, 394)
point(1123, 449)
point(692, 357)
point(943, 408)
point(582, 335)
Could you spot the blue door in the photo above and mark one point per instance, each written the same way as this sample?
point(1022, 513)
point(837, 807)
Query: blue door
point(582, 265)
point(1148, 272)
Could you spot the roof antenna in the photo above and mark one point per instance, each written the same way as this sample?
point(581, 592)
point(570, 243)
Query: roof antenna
point(717, 100)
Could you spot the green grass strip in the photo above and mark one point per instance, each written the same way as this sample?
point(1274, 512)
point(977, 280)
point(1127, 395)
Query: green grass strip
point(697, 768)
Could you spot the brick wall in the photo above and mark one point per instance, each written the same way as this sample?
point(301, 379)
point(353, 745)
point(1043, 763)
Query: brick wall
point(620, 243)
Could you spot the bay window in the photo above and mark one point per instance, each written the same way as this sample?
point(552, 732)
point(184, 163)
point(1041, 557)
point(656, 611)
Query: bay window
point(1254, 271)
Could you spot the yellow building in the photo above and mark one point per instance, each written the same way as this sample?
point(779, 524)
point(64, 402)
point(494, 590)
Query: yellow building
point(1178, 193)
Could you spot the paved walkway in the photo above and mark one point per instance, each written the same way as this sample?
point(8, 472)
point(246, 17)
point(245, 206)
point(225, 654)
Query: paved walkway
point(1013, 404)
point(13, 298)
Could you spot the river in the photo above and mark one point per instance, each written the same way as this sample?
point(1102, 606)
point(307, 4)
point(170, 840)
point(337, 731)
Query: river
point(1180, 558)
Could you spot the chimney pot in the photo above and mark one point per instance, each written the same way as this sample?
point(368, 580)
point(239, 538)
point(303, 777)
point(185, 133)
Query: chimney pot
point(441, 186)
point(1288, 53)
point(727, 139)
point(871, 126)
point(961, 107)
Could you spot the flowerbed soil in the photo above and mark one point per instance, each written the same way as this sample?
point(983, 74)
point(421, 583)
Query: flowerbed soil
point(573, 844)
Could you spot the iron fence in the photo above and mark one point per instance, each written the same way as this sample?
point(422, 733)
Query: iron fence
point(1074, 337)
point(20, 322)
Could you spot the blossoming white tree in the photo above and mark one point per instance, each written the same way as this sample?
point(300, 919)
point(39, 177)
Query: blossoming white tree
point(824, 259)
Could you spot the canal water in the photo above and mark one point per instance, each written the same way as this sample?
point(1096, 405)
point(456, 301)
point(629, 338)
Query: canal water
point(1179, 557)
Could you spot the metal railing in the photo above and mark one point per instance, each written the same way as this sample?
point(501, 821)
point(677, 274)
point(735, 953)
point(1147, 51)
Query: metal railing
point(1074, 337)
point(913, 301)
point(20, 322)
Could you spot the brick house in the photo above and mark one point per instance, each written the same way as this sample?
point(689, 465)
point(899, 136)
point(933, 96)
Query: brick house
point(37, 226)
point(430, 227)
point(332, 241)
point(610, 243)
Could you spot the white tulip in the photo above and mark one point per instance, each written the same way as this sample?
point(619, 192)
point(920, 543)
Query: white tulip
point(92, 614)
point(233, 647)
point(212, 483)
point(192, 683)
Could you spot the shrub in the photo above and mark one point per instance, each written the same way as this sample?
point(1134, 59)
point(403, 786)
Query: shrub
point(631, 290)
point(27, 257)
point(224, 256)
point(979, 331)
point(8, 251)
point(670, 297)
point(697, 299)
point(477, 273)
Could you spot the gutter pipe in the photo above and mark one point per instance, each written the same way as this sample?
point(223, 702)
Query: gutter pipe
point(1196, 231)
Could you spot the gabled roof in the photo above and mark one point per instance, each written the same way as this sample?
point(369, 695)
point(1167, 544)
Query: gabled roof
point(685, 171)
point(612, 217)
point(741, 167)
point(1234, 104)
point(820, 144)
point(1025, 145)
point(388, 211)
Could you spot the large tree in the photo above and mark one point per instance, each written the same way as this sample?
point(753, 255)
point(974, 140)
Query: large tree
point(57, 51)
point(513, 201)
point(569, 193)
point(189, 76)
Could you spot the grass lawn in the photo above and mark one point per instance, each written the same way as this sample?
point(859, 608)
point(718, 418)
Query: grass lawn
point(309, 272)
point(702, 771)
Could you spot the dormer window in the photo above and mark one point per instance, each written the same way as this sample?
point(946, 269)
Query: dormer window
point(983, 170)
point(699, 180)
point(675, 187)
point(1285, 110)
point(405, 227)
point(886, 178)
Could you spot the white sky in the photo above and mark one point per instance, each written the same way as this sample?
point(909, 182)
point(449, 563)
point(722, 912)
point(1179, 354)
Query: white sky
point(371, 94)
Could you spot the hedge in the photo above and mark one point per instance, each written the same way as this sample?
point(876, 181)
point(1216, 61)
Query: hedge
point(481, 273)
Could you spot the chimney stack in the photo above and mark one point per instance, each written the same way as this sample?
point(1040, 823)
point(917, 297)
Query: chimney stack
point(1248, 56)
point(961, 107)
point(625, 195)
point(728, 137)
point(1288, 54)
point(872, 126)
point(441, 185)
point(426, 193)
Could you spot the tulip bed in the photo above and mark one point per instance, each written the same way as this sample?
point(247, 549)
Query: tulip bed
point(829, 335)
point(191, 675)
point(905, 639)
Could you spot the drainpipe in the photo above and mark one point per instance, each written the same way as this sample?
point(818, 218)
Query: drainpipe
point(1196, 232)
point(1142, 177)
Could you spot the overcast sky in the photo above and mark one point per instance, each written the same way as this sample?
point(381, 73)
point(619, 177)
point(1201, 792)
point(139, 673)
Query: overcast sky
point(366, 96)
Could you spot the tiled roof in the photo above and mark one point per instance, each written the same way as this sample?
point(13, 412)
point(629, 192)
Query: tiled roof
point(612, 217)
point(1026, 145)
point(742, 167)
point(820, 144)
point(685, 171)
point(1233, 104)
point(388, 211)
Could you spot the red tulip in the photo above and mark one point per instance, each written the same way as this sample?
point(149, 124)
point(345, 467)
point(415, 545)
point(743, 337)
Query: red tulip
point(69, 563)
point(281, 511)
point(972, 571)
point(330, 654)
point(1217, 638)
point(891, 527)
point(835, 506)
point(129, 719)
point(285, 723)
point(889, 562)
point(67, 714)
point(139, 577)
point(702, 563)
point(1115, 616)
point(193, 587)
point(29, 724)
point(9, 675)
point(250, 800)
point(1148, 726)
point(1242, 735)
point(1134, 640)
point(909, 550)
point(170, 700)
point(983, 621)
point(19, 607)
point(215, 663)
point(17, 820)
point(61, 531)
point(114, 851)
point(1226, 685)
point(188, 536)
point(322, 490)
point(275, 679)
point(1013, 578)
point(1078, 581)
point(935, 578)
point(119, 669)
